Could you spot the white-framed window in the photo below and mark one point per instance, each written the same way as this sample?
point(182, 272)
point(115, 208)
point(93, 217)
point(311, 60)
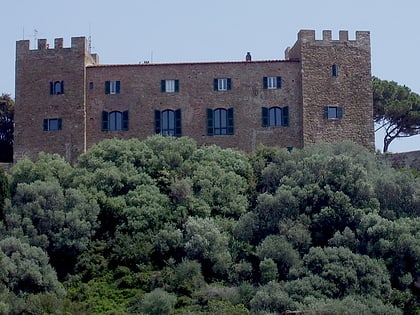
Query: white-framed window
point(272, 83)
point(222, 84)
point(112, 87)
point(170, 86)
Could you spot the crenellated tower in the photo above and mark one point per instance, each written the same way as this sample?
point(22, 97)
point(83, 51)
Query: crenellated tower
point(336, 85)
point(50, 111)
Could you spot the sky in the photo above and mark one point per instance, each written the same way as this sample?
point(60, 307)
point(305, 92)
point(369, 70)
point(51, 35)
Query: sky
point(133, 31)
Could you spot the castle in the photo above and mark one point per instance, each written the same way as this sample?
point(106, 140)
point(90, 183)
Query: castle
point(66, 101)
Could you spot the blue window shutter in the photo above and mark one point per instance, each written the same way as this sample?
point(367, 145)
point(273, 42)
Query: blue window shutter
point(157, 121)
point(51, 88)
point(117, 87)
point(279, 82)
point(229, 83)
point(105, 121)
point(210, 122)
point(59, 124)
point(265, 83)
point(340, 111)
point(285, 116)
point(62, 87)
point(325, 112)
point(107, 87)
point(45, 125)
point(163, 85)
point(230, 124)
point(216, 84)
point(176, 85)
point(178, 123)
point(265, 116)
point(125, 120)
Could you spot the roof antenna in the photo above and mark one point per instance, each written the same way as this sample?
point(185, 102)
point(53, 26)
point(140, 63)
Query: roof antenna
point(90, 41)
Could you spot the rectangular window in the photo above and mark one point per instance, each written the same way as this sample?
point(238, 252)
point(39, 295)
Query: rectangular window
point(223, 84)
point(275, 116)
point(168, 122)
point(57, 87)
point(170, 86)
point(333, 112)
point(52, 124)
point(220, 121)
point(112, 87)
point(114, 120)
point(272, 83)
point(334, 70)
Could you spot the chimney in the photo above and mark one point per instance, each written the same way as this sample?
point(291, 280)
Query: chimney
point(248, 57)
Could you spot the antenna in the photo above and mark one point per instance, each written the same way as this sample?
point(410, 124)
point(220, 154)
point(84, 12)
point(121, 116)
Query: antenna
point(90, 41)
point(35, 37)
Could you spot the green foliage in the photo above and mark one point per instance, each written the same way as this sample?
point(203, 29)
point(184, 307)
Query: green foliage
point(396, 110)
point(25, 268)
point(156, 302)
point(163, 226)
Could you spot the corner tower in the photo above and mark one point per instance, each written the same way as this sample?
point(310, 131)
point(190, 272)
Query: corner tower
point(336, 86)
point(50, 98)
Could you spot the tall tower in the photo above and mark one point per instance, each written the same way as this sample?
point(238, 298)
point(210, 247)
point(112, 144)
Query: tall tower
point(50, 105)
point(336, 82)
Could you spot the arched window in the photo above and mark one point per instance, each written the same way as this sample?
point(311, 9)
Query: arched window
point(168, 122)
point(220, 121)
point(57, 88)
point(275, 116)
point(114, 120)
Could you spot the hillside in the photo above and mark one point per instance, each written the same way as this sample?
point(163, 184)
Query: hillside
point(162, 226)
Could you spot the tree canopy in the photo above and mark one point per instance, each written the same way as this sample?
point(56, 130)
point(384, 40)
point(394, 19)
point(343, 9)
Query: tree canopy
point(163, 226)
point(396, 110)
point(7, 106)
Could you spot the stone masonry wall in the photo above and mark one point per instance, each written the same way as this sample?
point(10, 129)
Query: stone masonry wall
point(141, 95)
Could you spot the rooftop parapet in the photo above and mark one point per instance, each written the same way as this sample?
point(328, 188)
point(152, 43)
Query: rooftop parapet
point(77, 43)
point(307, 36)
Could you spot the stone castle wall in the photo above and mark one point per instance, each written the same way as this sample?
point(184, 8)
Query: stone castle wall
point(307, 86)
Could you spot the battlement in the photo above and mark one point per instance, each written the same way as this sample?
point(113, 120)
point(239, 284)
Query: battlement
point(307, 36)
point(77, 43)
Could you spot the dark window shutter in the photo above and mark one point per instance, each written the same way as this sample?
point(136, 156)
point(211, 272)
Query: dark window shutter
point(325, 112)
point(117, 87)
point(125, 120)
point(265, 83)
point(334, 70)
point(285, 116)
point(230, 127)
point(45, 125)
point(59, 124)
point(265, 116)
point(107, 87)
point(62, 87)
point(279, 82)
point(176, 85)
point(229, 84)
point(216, 84)
point(105, 121)
point(178, 123)
point(340, 111)
point(157, 121)
point(51, 88)
point(163, 85)
point(210, 123)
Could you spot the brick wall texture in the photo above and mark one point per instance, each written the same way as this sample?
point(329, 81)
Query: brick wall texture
point(307, 86)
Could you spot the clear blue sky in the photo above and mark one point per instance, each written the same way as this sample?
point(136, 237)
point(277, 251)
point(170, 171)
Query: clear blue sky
point(132, 31)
